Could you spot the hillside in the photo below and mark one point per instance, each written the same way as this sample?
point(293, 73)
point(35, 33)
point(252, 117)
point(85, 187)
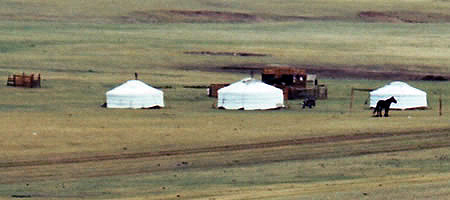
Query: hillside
point(169, 11)
point(59, 143)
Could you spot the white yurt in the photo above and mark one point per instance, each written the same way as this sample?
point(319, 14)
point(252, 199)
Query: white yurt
point(250, 94)
point(134, 94)
point(407, 97)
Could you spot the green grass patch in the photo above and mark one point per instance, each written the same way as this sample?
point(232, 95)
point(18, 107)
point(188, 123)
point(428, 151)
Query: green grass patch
point(83, 49)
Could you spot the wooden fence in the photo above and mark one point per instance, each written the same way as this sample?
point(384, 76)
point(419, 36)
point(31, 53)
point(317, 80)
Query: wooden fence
point(318, 92)
point(23, 80)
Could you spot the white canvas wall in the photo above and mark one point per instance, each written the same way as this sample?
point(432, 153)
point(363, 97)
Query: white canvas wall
point(407, 97)
point(250, 94)
point(134, 94)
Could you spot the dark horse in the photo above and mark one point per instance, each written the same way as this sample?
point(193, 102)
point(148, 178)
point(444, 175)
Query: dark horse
point(309, 102)
point(383, 104)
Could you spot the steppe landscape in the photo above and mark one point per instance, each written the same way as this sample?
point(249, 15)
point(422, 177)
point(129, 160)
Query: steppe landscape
point(57, 142)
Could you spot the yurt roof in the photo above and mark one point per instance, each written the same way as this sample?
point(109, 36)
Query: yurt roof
point(249, 85)
point(133, 87)
point(397, 88)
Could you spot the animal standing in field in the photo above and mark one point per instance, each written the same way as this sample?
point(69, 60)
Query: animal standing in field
point(309, 102)
point(383, 104)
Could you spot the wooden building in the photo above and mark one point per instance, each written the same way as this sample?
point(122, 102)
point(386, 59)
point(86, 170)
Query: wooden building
point(294, 82)
point(284, 76)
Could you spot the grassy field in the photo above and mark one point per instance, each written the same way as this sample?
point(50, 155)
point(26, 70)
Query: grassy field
point(420, 174)
point(45, 46)
point(83, 49)
point(107, 10)
point(68, 118)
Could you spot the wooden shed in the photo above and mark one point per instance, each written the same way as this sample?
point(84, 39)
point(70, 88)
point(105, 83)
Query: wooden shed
point(294, 82)
point(284, 76)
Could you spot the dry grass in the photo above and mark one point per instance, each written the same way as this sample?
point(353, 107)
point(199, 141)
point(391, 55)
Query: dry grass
point(107, 11)
point(82, 52)
point(419, 174)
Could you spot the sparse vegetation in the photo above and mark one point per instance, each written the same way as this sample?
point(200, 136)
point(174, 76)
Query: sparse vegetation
point(82, 49)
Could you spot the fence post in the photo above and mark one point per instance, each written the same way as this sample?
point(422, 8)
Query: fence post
point(31, 80)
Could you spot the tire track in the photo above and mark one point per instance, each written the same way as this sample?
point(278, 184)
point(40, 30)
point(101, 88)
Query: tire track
point(238, 147)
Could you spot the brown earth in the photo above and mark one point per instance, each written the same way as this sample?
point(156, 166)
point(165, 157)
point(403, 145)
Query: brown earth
point(403, 17)
point(188, 16)
point(337, 72)
point(214, 53)
point(166, 16)
point(205, 16)
point(208, 16)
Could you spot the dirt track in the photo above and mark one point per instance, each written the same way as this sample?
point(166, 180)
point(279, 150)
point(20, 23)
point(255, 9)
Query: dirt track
point(239, 147)
point(327, 147)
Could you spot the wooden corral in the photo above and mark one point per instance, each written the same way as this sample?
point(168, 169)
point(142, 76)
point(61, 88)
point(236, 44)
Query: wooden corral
point(295, 83)
point(23, 80)
point(285, 93)
point(318, 92)
point(213, 88)
point(352, 94)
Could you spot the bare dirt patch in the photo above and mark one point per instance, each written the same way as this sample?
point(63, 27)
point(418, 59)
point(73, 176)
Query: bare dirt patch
point(211, 16)
point(217, 15)
point(330, 71)
point(189, 16)
point(376, 75)
point(212, 53)
point(208, 16)
point(403, 17)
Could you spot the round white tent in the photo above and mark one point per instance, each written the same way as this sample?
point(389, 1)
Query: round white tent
point(407, 97)
point(134, 94)
point(250, 94)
